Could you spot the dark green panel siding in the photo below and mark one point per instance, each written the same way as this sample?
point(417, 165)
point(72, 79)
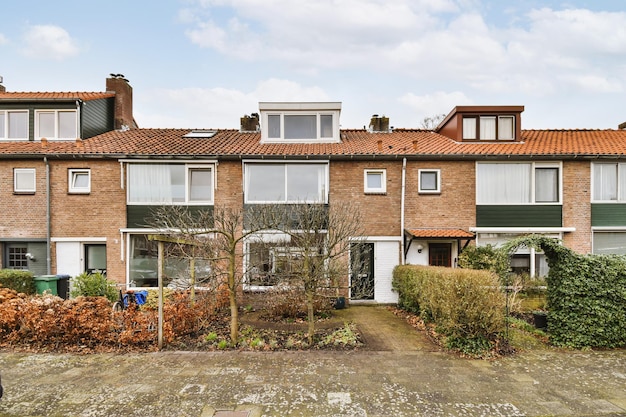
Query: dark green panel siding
point(139, 216)
point(608, 214)
point(98, 116)
point(519, 216)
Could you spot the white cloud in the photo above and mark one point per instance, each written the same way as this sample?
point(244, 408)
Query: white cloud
point(216, 107)
point(49, 42)
point(430, 105)
point(427, 40)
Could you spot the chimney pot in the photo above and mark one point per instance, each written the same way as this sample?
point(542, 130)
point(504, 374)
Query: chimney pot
point(44, 142)
point(380, 145)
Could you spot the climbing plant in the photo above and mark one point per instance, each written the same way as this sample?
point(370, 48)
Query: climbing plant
point(586, 295)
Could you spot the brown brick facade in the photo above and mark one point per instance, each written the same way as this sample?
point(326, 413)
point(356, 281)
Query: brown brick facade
point(577, 205)
point(454, 207)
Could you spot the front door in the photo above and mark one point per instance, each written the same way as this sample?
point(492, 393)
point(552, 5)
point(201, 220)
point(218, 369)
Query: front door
point(362, 271)
point(440, 254)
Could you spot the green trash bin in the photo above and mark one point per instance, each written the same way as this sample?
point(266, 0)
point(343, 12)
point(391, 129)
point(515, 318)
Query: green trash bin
point(47, 282)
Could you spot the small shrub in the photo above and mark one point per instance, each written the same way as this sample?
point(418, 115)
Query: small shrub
point(465, 305)
point(290, 304)
point(18, 280)
point(94, 285)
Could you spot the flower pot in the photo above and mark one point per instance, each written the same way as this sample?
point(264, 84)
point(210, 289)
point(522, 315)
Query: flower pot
point(540, 318)
point(340, 302)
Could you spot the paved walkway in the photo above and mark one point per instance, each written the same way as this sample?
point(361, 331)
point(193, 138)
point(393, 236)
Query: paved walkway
point(388, 382)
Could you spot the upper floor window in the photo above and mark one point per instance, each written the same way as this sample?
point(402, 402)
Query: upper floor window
point(79, 181)
point(156, 183)
point(489, 127)
point(286, 183)
point(14, 124)
point(300, 122)
point(24, 180)
point(518, 183)
point(429, 181)
point(375, 181)
point(609, 182)
point(56, 124)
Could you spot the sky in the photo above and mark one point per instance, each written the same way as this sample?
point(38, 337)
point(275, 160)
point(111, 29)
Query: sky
point(206, 63)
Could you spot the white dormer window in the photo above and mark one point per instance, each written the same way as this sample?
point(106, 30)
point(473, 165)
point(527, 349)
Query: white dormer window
point(56, 124)
point(299, 122)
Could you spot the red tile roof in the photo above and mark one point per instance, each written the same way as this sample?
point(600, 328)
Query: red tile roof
point(440, 233)
point(422, 144)
point(21, 96)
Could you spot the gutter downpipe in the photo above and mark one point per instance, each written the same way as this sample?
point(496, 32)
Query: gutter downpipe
point(48, 218)
point(402, 256)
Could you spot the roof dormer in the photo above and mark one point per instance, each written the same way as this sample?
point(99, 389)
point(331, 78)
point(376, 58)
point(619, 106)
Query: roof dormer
point(299, 122)
point(483, 124)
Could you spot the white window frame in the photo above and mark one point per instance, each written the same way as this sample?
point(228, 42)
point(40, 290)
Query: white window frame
point(188, 168)
point(419, 181)
point(4, 133)
point(532, 185)
point(620, 199)
point(605, 230)
point(300, 109)
point(383, 180)
point(324, 191)
point(73, 174)
point(56, 114)
point(24, 171)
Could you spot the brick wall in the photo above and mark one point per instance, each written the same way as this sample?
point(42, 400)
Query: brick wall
point(101, 213)
point(577, 205)
point(22, 215)
point(454, 207)
point(380, 213)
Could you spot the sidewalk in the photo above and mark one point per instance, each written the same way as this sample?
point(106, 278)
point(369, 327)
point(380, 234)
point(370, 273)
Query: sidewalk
point(391, 382)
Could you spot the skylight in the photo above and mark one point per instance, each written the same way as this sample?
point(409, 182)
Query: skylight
point(201, 134)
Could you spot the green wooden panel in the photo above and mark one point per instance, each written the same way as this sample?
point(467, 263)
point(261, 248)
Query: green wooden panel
point(608, 214)
point(519, 216)
point(139, 216)
point(98, 116)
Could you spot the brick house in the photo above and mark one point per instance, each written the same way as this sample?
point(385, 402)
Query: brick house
point(478, 178)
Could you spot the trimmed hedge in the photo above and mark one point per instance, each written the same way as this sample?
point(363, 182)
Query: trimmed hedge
point(586, 295)
point(467, 306)
point(18, 280)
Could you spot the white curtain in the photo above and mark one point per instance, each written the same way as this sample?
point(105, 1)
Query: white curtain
point(469, 128)
point(487, 128)
point(149, 183)
point(505, 127)
point(546, 185)
point(605, 182)
point(503, 183)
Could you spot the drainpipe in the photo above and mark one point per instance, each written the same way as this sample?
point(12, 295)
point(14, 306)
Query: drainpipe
point(402, 259)
point(48, 225)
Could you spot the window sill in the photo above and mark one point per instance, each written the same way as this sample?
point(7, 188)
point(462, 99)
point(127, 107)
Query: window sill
point(429, 192)
point(23, 192)
point(375, 192)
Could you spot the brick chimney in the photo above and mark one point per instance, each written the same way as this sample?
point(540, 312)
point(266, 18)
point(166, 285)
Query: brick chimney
point(123, 101)
point(379, 124)
point(250, 123)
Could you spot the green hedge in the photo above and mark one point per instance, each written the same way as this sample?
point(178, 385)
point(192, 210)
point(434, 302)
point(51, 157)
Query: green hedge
point(467, 306)
point(18, 280)
point(586, 295)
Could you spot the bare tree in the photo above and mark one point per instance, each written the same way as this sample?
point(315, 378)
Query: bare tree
point(320, 239)
point(431, 122)
point(216, 235)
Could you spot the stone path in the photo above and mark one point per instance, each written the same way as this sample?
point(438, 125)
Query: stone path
point(387, 382)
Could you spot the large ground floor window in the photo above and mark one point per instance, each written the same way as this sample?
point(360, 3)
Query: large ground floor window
point(609, 242)
point(178, 264)
point(525, 261)
point(278, 259)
